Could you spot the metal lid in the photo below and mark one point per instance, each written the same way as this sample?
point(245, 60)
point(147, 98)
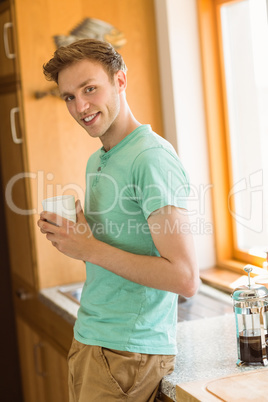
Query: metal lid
point(250, 292)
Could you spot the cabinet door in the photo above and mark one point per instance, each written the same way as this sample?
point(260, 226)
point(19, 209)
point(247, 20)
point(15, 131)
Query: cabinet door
point(7, 52)
point(14, 182)
point(44, 370)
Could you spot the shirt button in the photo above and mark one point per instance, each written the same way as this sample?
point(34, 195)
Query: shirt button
point(162, 364)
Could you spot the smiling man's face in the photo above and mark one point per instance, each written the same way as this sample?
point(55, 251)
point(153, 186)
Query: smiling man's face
point(91, 98)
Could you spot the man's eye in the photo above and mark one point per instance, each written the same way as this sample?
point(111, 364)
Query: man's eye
point(89, 89)
point(68, 98)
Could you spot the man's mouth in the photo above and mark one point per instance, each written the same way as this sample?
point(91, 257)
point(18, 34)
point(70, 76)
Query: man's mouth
point(88, 119)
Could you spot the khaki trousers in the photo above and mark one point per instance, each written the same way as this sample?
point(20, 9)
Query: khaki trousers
point(97, 374)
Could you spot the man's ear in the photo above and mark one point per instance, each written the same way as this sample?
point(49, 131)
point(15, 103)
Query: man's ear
point(121, 80)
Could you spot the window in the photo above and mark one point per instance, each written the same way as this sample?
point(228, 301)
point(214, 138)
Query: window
point(234, 43)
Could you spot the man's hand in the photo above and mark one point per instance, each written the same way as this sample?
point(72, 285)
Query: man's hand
point(175, 270)
point(72, 239)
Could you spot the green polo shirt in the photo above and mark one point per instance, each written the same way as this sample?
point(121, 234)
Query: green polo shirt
point(124, 186)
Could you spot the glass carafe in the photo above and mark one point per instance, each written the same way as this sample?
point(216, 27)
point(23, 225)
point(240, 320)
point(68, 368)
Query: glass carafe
point(251, 315)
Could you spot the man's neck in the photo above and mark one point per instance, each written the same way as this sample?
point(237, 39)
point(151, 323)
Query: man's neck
point(122, 129)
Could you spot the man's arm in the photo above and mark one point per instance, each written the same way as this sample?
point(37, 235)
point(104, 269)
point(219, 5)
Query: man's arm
point(175, 270)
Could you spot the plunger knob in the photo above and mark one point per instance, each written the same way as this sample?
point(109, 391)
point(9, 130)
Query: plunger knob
point(248, 269)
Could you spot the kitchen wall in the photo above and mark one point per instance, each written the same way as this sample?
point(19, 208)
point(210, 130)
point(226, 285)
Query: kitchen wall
point(183, 111)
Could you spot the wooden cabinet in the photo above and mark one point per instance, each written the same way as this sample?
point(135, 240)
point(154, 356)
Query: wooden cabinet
point(7, 50)
point(44, 372)
point(40, 155)
point(14, 182)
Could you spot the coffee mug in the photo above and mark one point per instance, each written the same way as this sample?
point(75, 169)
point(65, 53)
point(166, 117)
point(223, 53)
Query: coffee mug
point(63, 205)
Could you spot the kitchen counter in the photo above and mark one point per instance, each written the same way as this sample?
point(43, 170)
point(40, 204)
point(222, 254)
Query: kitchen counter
point(206, 350)
point(206, 347)
point(59, 303)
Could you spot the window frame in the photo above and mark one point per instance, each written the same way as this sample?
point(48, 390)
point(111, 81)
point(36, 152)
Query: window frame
point(227, 253)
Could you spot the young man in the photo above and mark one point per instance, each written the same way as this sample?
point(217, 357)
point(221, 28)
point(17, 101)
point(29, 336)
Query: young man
point(134, 235)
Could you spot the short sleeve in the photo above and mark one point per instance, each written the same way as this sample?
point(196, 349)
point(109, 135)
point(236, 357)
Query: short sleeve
point(159, 180)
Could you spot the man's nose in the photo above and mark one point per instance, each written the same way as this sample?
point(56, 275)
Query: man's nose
point(82, 104)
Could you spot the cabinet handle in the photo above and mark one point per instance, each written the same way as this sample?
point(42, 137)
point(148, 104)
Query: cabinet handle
point(38, 371)
point(7, 26)
point(15, 139)
point(23, 295)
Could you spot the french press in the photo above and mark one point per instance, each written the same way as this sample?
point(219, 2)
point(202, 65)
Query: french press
point(251, 315)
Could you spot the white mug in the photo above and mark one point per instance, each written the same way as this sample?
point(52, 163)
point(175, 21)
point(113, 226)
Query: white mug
point(63, 205)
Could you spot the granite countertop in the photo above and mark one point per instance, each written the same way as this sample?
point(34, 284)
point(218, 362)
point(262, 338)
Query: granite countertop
point(206, 347)
point(206, 350)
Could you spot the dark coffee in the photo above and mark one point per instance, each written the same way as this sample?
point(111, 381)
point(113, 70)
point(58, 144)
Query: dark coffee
point(251, 348)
